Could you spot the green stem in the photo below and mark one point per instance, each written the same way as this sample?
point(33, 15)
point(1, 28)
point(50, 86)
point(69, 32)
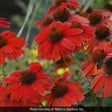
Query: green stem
point(75, 61)
point(29, 11)
point(86, 56)
point(76, 77)
point(95, 98)
point(31, 21)
point(3, 69)
point(19, 64)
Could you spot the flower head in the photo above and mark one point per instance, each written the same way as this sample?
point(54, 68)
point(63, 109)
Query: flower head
point(45, 22)
point(28, 85)
point(97, 58)
point(63, 94)
point(99, 17)
point(71, 4)
point(57, 40)
point(10, 46)
point(109, 7)
point(102, 34)
point(104, 79)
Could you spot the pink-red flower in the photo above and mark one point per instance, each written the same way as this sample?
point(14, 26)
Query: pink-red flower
point(96, 59)
point(28, 85)
point(63, 14)
point(45, 22)
point(87, 32)
point(10, 46)
point(57, 41)
point(102, 34)
point(104, 79)
point(99, 17)
point(4, 23)
point(71, 4)
point(64, 94)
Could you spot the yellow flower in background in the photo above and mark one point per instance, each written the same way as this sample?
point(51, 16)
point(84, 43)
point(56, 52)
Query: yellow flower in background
point(44, 103)
point(85, 47)
point(32, 60)
point(60, 71)
point(34, 52)
point(67, 69)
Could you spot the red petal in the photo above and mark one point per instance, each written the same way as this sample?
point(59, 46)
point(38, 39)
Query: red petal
point(39, 75)
point(35, 66)
point(107, 89)
point(50, 10)
point(95, 81)
point(41, 36)
point(87, 69)
point(73, 31)
point(85, 64)
point(7, 49)
point(64, 26)
point(1, 58)
point(99, 84)
point(38, 88)
point(67, 44)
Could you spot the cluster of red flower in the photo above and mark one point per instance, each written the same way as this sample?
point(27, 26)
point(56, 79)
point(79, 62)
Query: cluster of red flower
point(63, 33)
point(60, 34)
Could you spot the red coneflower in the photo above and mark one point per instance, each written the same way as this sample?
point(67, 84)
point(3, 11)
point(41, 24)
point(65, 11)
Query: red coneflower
point(109, 7)
point(64, 94)
point(99, 17)
point(71, 4)
point(96, 60)
point(45, 22)
point(57, 40)
point(104, 79)
point(10, 46)
point(63, 14)
point(87, 31)
point(102, 34)
point(28, 85)
point(4, 23)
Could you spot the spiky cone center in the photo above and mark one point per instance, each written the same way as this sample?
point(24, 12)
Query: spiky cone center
point(89, 10)
point(55, 34)
point(98, 56)
point(61, 14)
point(76, 24)
point(107, 66)
point(102, 32)
point(108, 6)
point(95, 18)
point(59, 2)
point(27, 77)
point(3, 41)
point(60, 89)
point(46, 21)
